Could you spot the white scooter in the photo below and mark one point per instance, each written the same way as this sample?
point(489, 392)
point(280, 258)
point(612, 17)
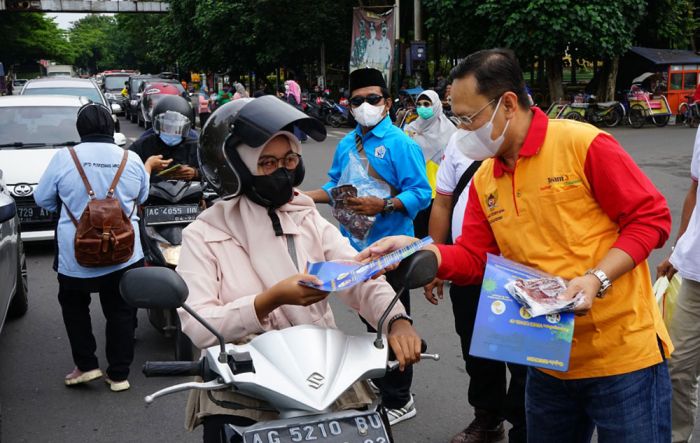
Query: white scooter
point(299, 371)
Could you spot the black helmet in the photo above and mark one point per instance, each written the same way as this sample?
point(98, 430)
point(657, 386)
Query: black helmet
point(175, 103)
point(251, 121)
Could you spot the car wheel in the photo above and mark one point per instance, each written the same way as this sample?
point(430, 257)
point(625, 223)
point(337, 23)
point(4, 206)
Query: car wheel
point(20, 300)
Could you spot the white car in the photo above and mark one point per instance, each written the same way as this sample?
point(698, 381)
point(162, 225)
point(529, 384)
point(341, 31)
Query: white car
point(79, 87)
point(32, 129)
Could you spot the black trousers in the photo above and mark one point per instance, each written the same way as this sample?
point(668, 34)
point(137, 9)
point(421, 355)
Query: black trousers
point(74, 297)
point(422, 221)
point(395, 386)
point(489, 391)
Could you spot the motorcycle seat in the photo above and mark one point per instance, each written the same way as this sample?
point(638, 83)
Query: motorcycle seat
point(606, 104)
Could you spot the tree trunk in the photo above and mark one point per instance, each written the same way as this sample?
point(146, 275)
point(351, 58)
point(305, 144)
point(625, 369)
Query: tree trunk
point(554, 78)
point(608, 79)
point(540, 72)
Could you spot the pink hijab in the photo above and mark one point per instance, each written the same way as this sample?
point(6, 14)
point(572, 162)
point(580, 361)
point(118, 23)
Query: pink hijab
point(294, 89)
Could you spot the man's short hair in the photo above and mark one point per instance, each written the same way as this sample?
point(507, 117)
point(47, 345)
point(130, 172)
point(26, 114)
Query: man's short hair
point(496, 71)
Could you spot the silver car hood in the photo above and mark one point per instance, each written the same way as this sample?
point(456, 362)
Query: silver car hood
point(306, 368)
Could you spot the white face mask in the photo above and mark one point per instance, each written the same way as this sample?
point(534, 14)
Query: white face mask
point(368, 115)
point(477, 144)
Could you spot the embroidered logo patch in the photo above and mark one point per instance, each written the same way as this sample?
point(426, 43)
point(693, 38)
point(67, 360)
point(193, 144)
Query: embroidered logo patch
point(492, 200)
point(380, 152)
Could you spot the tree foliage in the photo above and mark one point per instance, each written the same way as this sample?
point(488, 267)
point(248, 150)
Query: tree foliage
point(92, 40)
point(29, 37)
point(668, 24)
point(258, 35)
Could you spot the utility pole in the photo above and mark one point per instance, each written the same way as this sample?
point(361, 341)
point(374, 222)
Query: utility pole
point(417, 21)
point(323, 64)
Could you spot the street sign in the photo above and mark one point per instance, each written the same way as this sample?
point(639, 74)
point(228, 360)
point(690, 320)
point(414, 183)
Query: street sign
point(418, 51)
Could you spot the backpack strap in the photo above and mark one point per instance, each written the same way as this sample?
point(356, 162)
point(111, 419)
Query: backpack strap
point(118, 175)
point(463, 181)
point(81, 171)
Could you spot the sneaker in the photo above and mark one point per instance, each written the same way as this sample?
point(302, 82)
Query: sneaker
point(78, 377)
point(118, 386)
point(403, 413)
point(478, 431)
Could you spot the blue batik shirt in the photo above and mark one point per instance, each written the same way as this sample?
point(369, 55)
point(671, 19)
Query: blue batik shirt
point(399, 161)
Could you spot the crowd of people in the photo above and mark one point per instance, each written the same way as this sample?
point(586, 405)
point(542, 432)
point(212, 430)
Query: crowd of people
point(481, 178)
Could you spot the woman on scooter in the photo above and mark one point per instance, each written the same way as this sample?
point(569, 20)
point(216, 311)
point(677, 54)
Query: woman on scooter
point(244, 257)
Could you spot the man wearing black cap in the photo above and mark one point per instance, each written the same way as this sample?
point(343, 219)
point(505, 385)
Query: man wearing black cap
point(396, 160)
point(100, 158)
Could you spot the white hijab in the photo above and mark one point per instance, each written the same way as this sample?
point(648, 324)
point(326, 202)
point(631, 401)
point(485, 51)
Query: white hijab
point(432, 134)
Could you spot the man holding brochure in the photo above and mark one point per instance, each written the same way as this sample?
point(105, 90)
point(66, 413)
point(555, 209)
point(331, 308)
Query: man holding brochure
point(565, 198)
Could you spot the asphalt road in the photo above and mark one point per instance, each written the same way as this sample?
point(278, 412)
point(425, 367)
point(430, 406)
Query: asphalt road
point(36, 406)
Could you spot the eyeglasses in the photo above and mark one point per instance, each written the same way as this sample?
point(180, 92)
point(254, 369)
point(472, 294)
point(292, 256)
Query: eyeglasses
point(425, 103)
point(372, 99)
point(468, 120)
point(269, 164)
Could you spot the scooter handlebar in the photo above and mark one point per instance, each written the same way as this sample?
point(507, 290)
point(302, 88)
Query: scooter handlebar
point(173, 368)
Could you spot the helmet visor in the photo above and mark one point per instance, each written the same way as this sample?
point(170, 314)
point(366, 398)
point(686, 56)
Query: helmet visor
point(172, 123)
point(264, 116)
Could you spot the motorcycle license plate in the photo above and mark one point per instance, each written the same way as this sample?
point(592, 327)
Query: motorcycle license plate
point(365, 428)
point(173, 214)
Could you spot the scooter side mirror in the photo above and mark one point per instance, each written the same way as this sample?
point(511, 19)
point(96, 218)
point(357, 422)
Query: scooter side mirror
point(153, 288)
point(415, 271)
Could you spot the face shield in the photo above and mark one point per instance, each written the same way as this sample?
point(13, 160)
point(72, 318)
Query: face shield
point(172, 123)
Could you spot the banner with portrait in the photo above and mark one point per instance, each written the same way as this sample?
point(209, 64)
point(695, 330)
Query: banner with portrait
point(372, 41)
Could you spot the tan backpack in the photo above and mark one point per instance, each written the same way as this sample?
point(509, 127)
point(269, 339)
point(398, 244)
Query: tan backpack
point(104, 235)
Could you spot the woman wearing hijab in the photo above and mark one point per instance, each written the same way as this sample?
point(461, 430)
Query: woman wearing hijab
point(100, 159)
point(293, 96)
point(243, 258)
point(240, 91)
point(432, 130)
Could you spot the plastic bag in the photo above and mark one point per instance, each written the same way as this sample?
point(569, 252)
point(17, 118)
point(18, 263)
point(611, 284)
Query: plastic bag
point(540, 296)
point(666, 292)
point(355, 181)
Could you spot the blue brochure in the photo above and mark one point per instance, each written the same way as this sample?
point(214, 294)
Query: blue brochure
point(339, 275)
point(505, 331)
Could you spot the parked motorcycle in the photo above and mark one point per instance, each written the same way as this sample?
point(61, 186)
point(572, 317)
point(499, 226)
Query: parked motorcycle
point(170, 207)
point(299, 371)
point(609, 114)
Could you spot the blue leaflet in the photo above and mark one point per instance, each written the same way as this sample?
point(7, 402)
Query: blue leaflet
point(341, 275)
point(505, 331)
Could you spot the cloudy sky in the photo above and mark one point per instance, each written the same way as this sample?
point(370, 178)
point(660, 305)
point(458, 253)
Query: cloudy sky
point(64, 19)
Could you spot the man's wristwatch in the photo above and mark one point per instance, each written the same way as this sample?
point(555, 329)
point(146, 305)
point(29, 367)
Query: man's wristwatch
point(388, 206)
point(605, 282)
point(397, 317)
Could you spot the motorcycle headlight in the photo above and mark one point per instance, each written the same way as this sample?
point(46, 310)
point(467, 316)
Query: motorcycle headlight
point(134, 102)
point(110, 96)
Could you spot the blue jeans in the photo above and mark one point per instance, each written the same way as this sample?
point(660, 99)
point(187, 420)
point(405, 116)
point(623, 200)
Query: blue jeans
point(632, 407)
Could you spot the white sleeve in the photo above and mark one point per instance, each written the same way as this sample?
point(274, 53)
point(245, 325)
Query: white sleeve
point(446, 175)
point(695, 162)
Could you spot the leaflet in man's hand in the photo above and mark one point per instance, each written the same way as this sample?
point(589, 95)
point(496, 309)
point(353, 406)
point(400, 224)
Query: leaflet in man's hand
point(339, 275)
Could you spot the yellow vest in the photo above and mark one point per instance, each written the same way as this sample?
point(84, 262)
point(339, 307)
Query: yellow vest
point(544, 215)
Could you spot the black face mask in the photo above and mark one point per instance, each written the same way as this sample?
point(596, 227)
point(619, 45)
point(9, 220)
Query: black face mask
point(275, 189)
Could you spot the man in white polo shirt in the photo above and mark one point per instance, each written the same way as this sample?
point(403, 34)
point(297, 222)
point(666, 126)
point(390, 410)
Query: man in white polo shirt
point(489, 394)
point(684, 365)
